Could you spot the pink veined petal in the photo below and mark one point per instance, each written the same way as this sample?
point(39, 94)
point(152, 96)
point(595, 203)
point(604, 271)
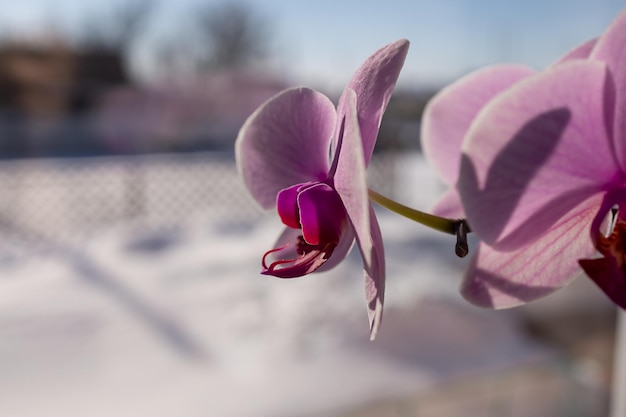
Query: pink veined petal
point(286, 141)
point(375, 277)
point(447, 117)
point(507, 279)
point(322, 215)
point(373, 84)
point(536, 151)
point(449, 205)
point(611, 48)
point(352, 188)
point(582, 51)
point(350, 179)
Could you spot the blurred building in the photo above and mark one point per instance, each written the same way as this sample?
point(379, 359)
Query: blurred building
point(59, 100)
point(46, 88)
point(200, 113)
point(36, 77)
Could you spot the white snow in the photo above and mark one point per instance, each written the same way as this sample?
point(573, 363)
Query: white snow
point(138, 321)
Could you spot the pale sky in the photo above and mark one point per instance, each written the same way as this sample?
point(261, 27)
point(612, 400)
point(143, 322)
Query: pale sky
point(321, 43)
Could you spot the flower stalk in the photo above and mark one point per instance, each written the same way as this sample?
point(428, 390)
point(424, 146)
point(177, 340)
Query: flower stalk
point(457, 227)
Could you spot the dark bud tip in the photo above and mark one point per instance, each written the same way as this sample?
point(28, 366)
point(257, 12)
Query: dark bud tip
point(461, 248)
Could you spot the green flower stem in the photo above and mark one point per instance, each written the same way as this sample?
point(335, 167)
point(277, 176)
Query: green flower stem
point(440, 224)
point(457, 227)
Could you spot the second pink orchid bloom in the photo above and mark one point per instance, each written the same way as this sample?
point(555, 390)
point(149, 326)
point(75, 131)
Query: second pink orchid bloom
point(537, 162)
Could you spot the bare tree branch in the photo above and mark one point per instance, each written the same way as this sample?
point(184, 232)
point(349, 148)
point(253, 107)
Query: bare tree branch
point(233, 35)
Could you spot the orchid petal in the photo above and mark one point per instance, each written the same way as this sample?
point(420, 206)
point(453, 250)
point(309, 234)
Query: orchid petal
point(449, 205)
point(507, 279)
point(535, 152)
point(375, 277)
point(580, 52)
point(373, 84)
point(447, 117)
point(352, 188)
point(611, 49)
point(321, 214)
point(350, 178)
point(286, 141)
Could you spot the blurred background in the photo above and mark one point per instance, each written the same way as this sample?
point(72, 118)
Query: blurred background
point(130, 251)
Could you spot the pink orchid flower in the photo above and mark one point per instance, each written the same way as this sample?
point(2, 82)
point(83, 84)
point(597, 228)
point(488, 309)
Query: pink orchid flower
point(282, 153)
point(538, 159)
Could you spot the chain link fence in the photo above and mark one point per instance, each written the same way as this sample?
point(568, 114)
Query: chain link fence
point(56, 204)
point(43, 201)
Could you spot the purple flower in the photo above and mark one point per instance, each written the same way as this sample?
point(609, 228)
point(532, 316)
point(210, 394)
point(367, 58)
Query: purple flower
point(301, 155)
point(535, 160)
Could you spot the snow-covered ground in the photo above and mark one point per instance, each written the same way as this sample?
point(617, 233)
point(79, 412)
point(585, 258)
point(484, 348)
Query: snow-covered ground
point(139, 321)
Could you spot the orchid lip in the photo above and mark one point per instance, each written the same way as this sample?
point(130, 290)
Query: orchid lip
point(309, 258)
